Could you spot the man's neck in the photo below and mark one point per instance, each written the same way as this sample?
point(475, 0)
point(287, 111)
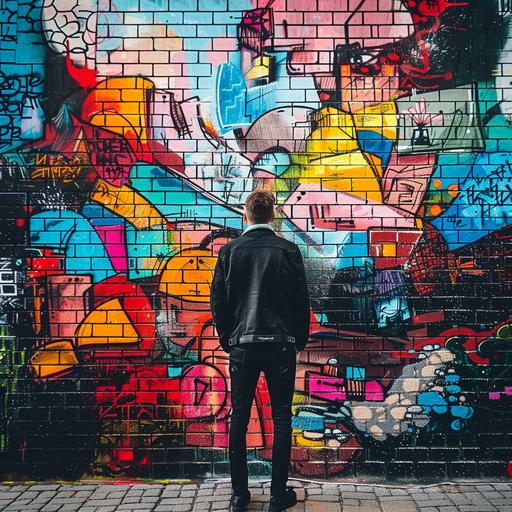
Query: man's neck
point(265, 225)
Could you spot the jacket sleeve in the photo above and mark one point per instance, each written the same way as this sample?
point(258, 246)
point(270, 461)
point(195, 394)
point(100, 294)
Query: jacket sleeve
point(219, 302)
point(300, 293)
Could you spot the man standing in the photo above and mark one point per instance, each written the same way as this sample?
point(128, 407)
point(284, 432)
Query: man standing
point(260, 305)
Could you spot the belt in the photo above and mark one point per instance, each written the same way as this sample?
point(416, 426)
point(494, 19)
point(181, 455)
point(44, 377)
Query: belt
point(257, 338)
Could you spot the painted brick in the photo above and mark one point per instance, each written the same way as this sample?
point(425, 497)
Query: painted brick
point(129, 141)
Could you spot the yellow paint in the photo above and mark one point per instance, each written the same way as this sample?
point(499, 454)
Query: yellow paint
point(300, 440)
point(334, 160)
point(127, 203)
point(381, 118)
point(121, 104)
point(189, 275)
point(350, 173)
point(389, 250)
point(208, 126)
point(260, 68)
point(108, 324)
point(334, 132)
point(53, 358)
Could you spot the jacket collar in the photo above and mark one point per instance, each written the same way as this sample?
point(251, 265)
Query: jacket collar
point(257, 226)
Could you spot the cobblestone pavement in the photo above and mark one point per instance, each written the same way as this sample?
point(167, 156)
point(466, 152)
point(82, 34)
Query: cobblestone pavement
point(92, 496)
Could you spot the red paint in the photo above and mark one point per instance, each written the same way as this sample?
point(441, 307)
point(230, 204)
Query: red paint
point(85, 76)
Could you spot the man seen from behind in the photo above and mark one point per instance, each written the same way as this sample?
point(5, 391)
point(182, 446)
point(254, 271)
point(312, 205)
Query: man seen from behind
point(260, 305)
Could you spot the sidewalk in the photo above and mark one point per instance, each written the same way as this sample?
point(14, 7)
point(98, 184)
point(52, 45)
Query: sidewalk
point(211, 495)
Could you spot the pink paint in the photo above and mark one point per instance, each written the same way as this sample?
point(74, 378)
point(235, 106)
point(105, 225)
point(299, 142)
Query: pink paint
point(328, 209)
point(65, 302)
point(333, 389)
point(326, 387)
point(496, 395)
point(374, 391)
point(114, 239)
point(203, 390)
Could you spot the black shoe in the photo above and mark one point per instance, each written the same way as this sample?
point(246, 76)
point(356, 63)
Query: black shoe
point(238, 503)
point(282, 502)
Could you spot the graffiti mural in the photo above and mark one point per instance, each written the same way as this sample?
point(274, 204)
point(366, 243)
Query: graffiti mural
point(130, 136)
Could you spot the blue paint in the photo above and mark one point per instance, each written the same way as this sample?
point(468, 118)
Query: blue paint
point(173, 371)
point(275, 163)
point(453, 389)
point(71, 233)
point(432, 401)
point(231, 98)
point(143, 244)
point(177, 199)
point(461, 411)
point(22, 54)
point(308, 422)
point(376, 144)
point(355, 373)
point(484, 203)
point(456, 425)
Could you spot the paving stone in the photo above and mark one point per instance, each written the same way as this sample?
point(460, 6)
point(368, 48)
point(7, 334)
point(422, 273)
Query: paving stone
point(44, 487)
point(104, 502)
point(327, 497)
point(357, 508)
point(503, 504)
point(366, 495)
point(351, 502)
point(316, 505)
point(301, 493)
point(440, 503)
point(51, 507)
point(347, 487)
point(171, 501)
point(330, 490)
point(499, 486)
point(222, 491)
point(393, 505)
point(204, 499)
point(170, 493)
point(478, 508)
point(135, 506)
point(70, 507)
point(10, 495)
point(220, 505)
point(205, 492)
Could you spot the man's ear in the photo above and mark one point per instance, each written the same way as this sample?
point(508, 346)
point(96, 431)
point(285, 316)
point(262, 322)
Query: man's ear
point(244, 218)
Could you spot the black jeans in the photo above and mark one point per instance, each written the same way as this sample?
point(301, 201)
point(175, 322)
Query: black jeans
point(278, 362)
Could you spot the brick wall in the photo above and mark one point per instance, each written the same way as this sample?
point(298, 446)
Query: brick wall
point(131, 133)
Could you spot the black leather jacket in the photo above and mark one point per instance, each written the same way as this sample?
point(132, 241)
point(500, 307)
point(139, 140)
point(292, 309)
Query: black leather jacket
point(259, 291)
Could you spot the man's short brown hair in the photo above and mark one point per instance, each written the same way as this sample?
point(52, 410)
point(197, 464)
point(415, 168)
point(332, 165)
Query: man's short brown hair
point(259, 206)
